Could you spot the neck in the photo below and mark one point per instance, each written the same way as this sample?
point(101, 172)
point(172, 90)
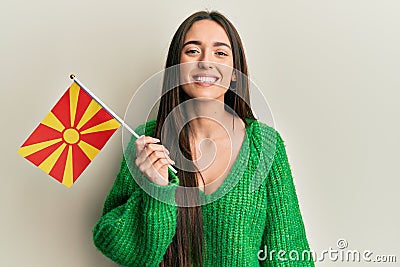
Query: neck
point(208, 118)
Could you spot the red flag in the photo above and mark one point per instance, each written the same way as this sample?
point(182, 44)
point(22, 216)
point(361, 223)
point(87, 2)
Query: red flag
point(70, 136)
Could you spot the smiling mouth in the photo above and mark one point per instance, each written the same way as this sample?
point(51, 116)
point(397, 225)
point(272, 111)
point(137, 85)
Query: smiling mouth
point(205, 80)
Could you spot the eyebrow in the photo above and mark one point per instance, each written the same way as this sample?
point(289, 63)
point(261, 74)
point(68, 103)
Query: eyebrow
point(199, 43)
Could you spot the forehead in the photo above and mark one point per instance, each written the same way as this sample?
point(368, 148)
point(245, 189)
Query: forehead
point(207, 31)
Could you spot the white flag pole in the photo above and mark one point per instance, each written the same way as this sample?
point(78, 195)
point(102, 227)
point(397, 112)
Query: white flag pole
point(72, 77)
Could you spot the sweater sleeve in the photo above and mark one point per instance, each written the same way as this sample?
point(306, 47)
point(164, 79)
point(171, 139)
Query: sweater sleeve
point(284, 241)
point(136, 228)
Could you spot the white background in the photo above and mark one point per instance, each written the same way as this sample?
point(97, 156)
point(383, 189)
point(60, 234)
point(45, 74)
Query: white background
point(329, 70)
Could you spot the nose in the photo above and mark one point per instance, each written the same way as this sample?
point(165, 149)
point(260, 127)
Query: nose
point(205, 64)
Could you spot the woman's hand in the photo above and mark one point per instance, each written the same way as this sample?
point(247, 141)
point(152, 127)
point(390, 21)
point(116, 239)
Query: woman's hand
point(153, 159)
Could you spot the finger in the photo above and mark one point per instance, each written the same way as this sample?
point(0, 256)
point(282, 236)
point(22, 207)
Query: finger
point(149, 152)
point(150, 147)
point(156, 147)
point(152, 170)
point(143, 141)
point(139, 143)
point(160, 163)
point(150, 140)
point(156, 155)
point(148, 160)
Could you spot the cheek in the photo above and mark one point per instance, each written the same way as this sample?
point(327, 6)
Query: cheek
point(184, 72)
point(226, 82)
point(226, 76)
point(185, 58)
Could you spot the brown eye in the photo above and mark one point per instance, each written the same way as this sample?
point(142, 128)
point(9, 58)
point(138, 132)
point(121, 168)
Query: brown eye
point(191, 51)
point(220, 53)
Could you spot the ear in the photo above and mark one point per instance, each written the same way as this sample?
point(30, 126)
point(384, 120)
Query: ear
point(234, 78)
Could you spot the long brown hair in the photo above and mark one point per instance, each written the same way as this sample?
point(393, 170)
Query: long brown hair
point(186, 248)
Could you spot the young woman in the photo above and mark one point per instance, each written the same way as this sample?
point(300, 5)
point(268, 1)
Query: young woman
point(205, 214)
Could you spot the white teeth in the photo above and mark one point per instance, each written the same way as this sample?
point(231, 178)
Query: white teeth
point(206, 79)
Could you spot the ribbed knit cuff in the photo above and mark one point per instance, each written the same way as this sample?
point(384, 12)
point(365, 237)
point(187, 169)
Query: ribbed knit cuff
point(163, 193)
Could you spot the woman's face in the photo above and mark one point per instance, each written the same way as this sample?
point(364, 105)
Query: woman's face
point(207, 61)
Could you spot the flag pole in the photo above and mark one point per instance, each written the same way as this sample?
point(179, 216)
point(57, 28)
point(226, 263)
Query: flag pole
point(73, 77)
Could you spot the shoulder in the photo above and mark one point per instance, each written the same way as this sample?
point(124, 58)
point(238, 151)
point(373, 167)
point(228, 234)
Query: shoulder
point(146, 128)
point(262, 133)
point(267, 140)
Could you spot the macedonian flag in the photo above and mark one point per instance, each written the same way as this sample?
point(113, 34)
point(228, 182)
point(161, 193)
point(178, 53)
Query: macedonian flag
point(70, 136)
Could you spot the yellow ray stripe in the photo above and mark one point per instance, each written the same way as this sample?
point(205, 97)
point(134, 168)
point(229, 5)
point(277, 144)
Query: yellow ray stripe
point(28, 150)
point(91, 110)
point(48, 163)
point(53, 122)
point(108, 125)
point(68, 171)
point(73, 101)
point(89, 150)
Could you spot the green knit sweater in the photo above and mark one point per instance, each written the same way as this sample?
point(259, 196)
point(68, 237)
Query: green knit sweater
point(252, 219)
